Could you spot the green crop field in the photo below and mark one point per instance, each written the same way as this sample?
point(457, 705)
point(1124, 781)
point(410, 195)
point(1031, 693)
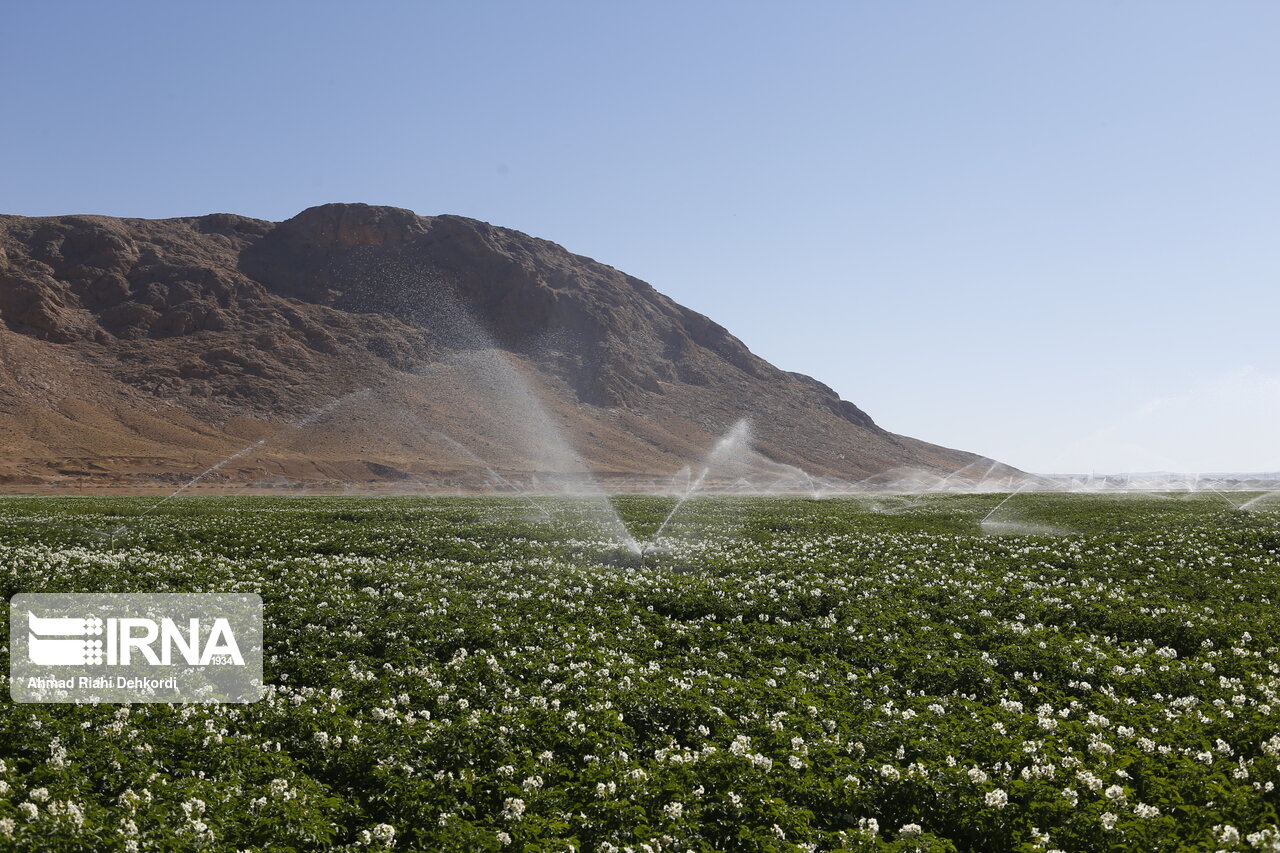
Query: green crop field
point(872, 674)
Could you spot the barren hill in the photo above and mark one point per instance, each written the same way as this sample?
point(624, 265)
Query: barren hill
point(368, 345)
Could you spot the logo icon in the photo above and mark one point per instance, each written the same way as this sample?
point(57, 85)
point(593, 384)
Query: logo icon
point(56, 640)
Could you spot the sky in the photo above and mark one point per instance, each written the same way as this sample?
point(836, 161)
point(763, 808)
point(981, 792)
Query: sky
point(1043, 232)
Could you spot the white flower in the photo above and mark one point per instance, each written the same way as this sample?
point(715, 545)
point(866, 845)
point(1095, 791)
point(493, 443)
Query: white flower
point(1266, 839)
point(279, 789)
point(997, 798)
point(1226, 833)
point(1115, 792)
point(39, 795)
point(7, 826)
point(130, 799)
point(504, 839)
point(30, 810)
point(1093, 783)
point(513, 808)
point(74, 813)
point(977, 776)
point(1108, 820)
point(384, 833)
point(1143, 810)
point(868, 826)
point(910, 830)
point(674, 810)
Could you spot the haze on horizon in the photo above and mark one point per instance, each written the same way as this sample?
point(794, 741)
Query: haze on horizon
point(1044, 233)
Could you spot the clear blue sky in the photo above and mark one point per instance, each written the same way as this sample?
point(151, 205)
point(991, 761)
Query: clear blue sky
point(1047, 232)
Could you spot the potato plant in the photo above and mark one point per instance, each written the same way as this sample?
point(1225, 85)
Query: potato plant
point(778, 674)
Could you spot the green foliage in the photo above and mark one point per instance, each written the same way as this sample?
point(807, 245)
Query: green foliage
point(875, 674)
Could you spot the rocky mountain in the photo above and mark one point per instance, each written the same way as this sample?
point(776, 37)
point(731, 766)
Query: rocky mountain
point(361, 345)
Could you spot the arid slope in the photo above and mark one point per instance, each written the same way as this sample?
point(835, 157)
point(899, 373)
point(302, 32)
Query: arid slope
point(139, 352)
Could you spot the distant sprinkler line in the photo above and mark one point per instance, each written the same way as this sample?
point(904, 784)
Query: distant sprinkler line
point(202, 475)
point(853, 487)
point(941, 484)
point(1248, 505)
point(299, 424)
point(501, 479)
point(737, 438)
point(688, 493)
point(1223, 495)
point(81, 528)
point(996, 509)
point(938, 486)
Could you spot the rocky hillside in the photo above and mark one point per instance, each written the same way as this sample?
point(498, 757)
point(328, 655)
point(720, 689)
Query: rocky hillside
point(370, 345)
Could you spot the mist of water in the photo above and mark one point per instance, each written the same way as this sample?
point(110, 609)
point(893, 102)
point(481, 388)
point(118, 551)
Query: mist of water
point(301, 423)
point(494, 476)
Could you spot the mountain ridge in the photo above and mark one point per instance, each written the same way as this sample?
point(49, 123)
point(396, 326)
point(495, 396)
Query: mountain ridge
point(135, 350)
